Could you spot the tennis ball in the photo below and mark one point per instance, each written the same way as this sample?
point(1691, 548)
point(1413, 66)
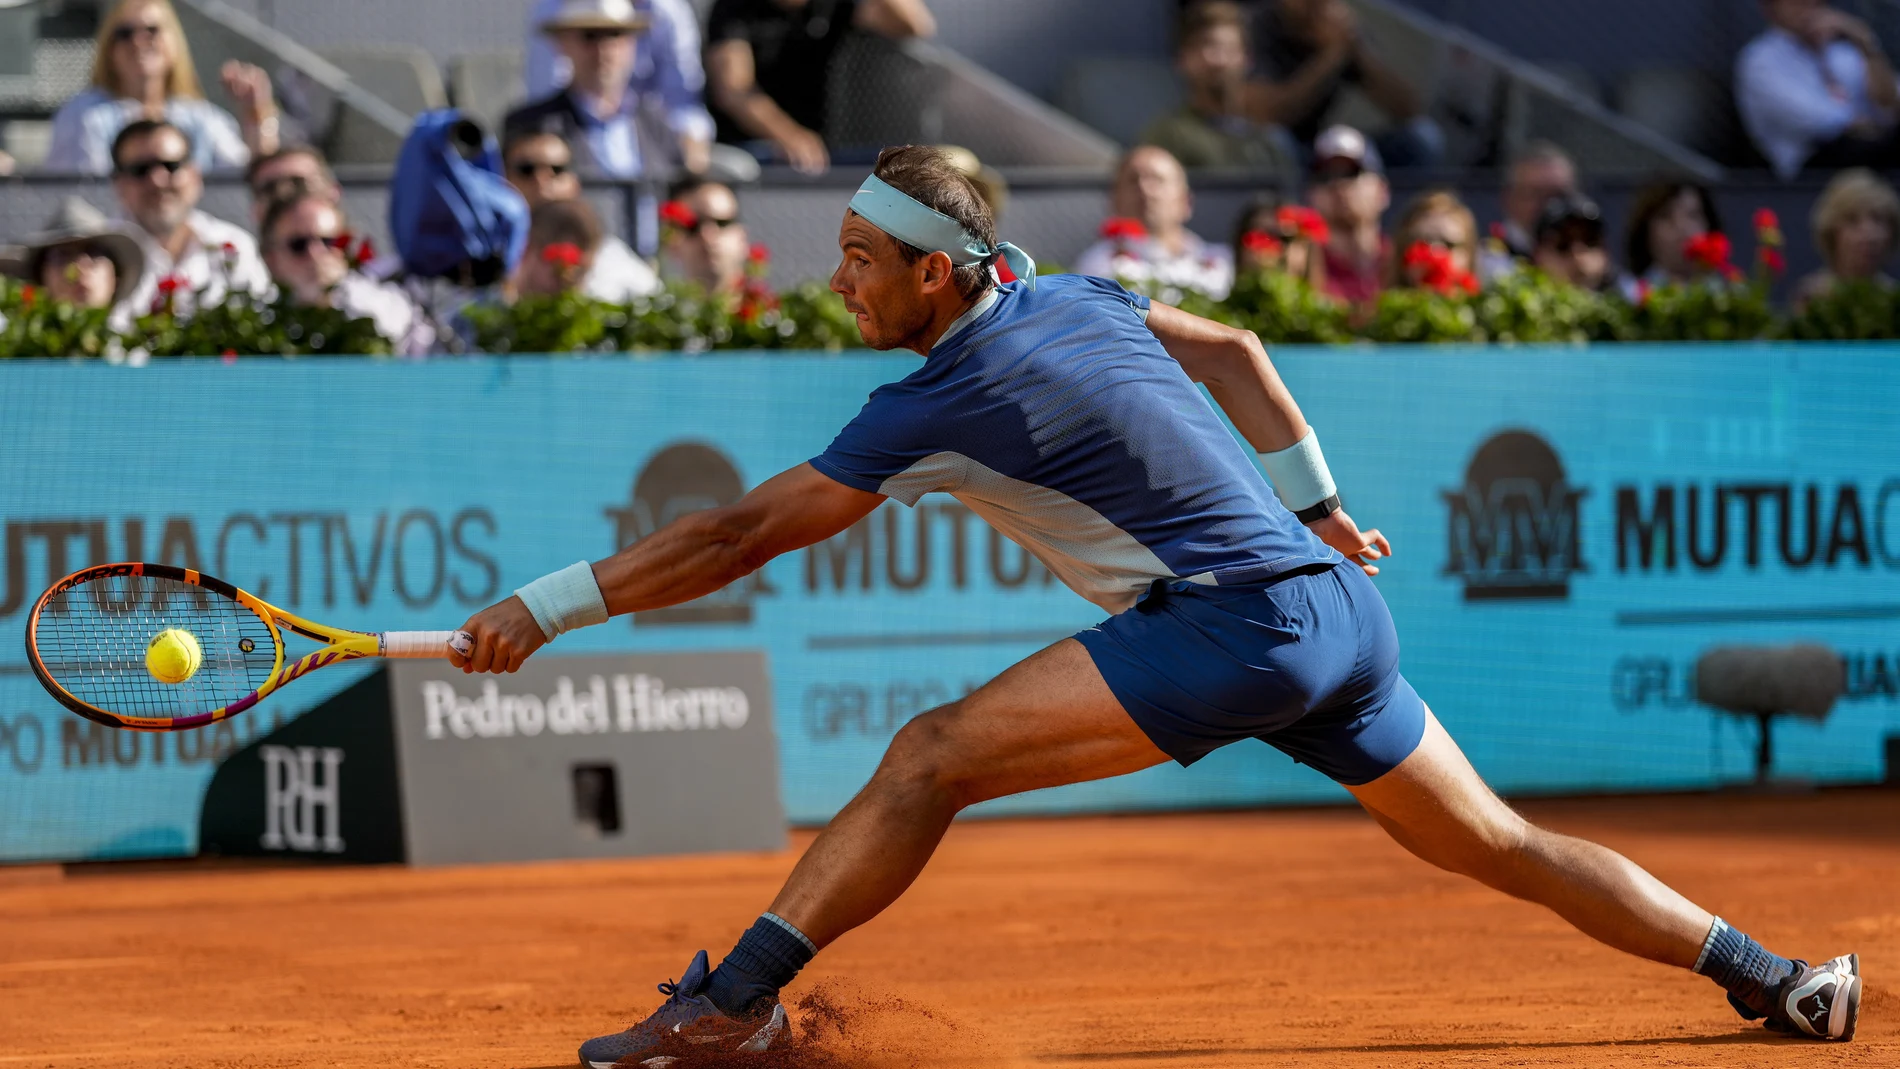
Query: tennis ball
point(173, 656)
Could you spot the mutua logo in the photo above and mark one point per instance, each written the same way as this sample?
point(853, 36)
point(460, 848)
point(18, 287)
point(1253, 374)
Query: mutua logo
point(681, 479)
point(1513, 528)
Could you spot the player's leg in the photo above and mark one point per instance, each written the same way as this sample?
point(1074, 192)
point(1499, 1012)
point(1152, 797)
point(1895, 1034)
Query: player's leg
point(1435, 805)
point(1047, 721)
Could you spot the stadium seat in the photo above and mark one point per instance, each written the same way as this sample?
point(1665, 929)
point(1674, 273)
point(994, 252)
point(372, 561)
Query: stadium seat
point(1118, 95)
point(486, 84)
point(403, 76)
point(1681, 103)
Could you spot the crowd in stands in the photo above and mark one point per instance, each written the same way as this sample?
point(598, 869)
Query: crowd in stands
point(634, 89)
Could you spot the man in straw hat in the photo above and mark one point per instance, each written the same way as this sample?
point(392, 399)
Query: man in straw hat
point(598, 111)
point(82, 259)
point(1065, 412)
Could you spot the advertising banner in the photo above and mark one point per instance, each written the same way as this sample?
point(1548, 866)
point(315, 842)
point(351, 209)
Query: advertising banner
point(1571, 527)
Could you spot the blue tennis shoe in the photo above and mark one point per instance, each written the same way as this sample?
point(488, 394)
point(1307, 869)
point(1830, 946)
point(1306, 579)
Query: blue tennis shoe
point(686, 1021)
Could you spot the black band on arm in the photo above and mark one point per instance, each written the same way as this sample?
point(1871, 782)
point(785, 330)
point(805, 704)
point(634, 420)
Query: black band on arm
point(1320, 511)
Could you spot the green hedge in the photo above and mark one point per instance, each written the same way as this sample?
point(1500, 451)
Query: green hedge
point(1521, 308)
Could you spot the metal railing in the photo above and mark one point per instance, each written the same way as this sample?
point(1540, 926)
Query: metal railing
point(1491, 102)
point(354, 124)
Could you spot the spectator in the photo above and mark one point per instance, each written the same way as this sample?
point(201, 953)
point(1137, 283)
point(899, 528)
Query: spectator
point(82, 259)
point(990, 185)
point(1349, 191)
point(1569, 243)
point(307, 247)
point(541, 167)
point(159, 186)
point(1273, 235)
point(989, 182)
point(142, 69)
point(666, 69)
point(1664, 218)
point(1148, 243)
point(706, 243)
point(1856, 227)
point(599, 111)
point(1815, 89)
point(286, 173)
point(1212, 129)
point(1439, 222)
point(1307, 52)
point(769, 61)
point(563, 237)
point(1540, 170)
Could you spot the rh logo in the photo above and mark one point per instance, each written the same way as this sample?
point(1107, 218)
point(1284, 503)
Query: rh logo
point(297, 799)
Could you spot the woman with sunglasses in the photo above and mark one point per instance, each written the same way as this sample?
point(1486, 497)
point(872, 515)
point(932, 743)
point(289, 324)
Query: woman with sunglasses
point(311, 255)
point(142, 69)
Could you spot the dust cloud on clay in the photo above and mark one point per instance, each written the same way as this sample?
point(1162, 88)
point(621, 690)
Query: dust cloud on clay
point(838, 1026)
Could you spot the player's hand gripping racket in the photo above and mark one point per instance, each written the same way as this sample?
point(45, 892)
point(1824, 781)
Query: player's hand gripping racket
point(159, 648)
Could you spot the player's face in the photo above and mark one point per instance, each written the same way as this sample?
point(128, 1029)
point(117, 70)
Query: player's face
point(884, 292)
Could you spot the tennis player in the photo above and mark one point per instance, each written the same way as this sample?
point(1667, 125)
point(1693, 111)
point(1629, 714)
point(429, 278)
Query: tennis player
point(1063, 411)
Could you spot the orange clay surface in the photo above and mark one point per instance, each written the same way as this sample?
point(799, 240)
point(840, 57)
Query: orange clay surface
point(1299, 938)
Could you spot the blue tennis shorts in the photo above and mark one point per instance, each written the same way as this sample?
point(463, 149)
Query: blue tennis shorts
point(1307, 662)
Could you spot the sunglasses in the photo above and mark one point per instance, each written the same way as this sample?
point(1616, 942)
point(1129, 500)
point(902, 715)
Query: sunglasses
point(127, 32)
point(531, 168)
point(302, 244)
point(713, 220)
point(142, 169)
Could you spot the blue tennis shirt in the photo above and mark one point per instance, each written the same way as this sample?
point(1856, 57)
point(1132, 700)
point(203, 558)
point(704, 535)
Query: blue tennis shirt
point(1056, 415)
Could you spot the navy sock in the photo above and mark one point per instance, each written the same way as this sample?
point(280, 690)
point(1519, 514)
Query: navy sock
point(1744, 967)
point(768, 956)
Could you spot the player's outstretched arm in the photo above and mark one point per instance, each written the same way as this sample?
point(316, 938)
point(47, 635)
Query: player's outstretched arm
point(1234, 367)
point(688, 558)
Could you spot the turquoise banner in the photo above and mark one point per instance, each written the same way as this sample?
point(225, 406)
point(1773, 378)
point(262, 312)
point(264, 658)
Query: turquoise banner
point(1572, 527)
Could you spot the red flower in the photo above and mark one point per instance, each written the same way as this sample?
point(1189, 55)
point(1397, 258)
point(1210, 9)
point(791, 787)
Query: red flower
point(759, 254)
point(675, 213)
point(28, 294)
point(365, 252)
point(1122, 228)
point(1437, 270)
point(1710, 250)
point(229, 352)
point(1261, 243)
point(170, 284)
point(1642, 291)
point(562, 254)
point(1765, 219)
point(1299, 221)
point(229, 249)
point(1497, 232)
point(1772, 259)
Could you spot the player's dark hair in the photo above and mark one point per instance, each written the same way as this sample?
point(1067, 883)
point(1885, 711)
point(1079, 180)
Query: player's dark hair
point(146, 128)
point(279, 207)
point(928, 175)
point(565, 221)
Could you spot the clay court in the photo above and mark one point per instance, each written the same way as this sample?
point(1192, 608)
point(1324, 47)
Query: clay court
point(1245, 939)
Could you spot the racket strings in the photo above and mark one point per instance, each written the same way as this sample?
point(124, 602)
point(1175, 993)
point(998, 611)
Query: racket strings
point(91, 639)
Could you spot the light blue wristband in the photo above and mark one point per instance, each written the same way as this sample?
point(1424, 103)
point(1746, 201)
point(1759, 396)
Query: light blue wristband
point(1299, 473)
point(564, 600)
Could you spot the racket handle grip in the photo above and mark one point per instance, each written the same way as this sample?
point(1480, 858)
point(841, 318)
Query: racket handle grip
point(414, 645)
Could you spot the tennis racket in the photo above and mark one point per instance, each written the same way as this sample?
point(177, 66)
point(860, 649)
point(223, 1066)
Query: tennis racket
point(87, 637)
